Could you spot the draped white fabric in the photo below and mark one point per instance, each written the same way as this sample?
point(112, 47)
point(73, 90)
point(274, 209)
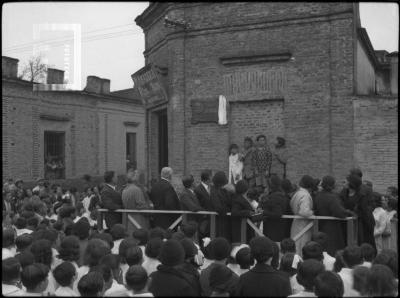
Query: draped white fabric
point(222, 113)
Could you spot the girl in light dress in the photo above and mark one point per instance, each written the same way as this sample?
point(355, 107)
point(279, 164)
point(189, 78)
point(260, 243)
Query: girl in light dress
point(235, 164)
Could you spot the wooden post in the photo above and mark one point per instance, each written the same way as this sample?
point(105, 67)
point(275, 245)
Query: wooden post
point(243, 229)
point(184, 218)
point(315, 227)
point(350, 231)
point(212, 226)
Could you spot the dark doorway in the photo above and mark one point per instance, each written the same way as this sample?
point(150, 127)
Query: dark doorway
point(162, 139)
point(54, 155)
point(131, 162)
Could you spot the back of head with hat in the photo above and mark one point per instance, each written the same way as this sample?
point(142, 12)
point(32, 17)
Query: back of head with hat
point(220, 248)
point(307, 182)
point(172, 253)
point(118, 231)
point(328, 183)
point(354, 182)
point(219, 179)
point(287, 186)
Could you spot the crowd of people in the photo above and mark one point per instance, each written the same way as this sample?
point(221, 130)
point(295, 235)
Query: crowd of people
point(53, 244)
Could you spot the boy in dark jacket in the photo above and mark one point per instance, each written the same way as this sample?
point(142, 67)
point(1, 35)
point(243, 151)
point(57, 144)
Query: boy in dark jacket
point(263, 280)
point(168, 280)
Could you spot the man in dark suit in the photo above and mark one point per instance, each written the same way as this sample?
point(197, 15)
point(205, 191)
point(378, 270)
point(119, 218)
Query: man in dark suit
point(189, 199)
point(202, 192)
point(241, 207)
point(164, 197)
point(111, 199)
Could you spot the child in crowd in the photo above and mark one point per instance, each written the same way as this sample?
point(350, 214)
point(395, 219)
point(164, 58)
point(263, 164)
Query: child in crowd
point(23, 242)
point(116, 288)
point(137, 282)
point(20, 226)
point(220, 251)
point(141, 235)
point(152, 251)
point(8, 247)
point(95, 250)
point(351, 258)
point(328, 284)
point(381, 282)
point(307, 271)
point(35, 279)
point(368, 254)
point(11, 277)
point(123, 247)
point(207, 253)
point(243, 259)
point(65, 275)
point(288, 264)
point(118, 233)
point(91, 285)
point(221, 281)
point(360, 274)
point(287, 245)
point(322, 239)
point(263, 279)
point(134, 256)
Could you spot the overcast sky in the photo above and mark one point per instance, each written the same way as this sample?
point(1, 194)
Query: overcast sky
point(112, 44)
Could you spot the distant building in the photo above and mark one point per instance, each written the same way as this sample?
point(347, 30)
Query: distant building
point(66, 134)
point(303, 71)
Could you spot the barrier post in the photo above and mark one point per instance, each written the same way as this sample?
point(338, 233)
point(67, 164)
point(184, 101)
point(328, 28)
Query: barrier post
point(212, 226)
point(315, 226)
point(350, 231)
point(243, 229)
point(124, 220)
point(184, 218)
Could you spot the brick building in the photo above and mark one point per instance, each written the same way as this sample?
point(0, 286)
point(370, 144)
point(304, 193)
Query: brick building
point(303, 71)
point(84, 132)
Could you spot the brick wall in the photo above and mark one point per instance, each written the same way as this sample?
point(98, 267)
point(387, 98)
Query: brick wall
point(376, 143)
point(88, 148)
point(315, 113)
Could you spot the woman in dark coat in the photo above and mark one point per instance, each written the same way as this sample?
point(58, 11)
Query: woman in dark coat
point(222, 202)
point(356, 199)
point(327, 203)
point(274, 205)
point(241, 207)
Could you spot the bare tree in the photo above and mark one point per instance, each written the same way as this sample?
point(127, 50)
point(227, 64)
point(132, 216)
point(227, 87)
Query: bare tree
point(34, 70)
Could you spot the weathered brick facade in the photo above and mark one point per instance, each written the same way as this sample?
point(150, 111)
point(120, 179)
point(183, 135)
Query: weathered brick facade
point(95, 127)
point(376, 144)
point(286, 69)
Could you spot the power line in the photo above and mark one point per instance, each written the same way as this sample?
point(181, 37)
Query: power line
point(53, 39)
point(90, 38)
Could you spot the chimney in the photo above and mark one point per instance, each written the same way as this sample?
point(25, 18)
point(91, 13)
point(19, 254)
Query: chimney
point(93, 84)
point(105, 86)
point(9, 67)
point(55, 76)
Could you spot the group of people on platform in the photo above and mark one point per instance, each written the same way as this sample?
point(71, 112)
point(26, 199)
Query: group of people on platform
point(53, 244)
point(257, 162)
